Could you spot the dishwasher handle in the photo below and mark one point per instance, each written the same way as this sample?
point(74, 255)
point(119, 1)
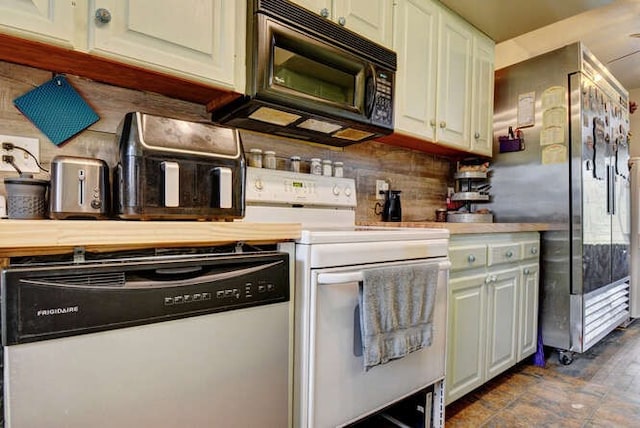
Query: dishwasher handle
point(202, 279)
point(332, 278)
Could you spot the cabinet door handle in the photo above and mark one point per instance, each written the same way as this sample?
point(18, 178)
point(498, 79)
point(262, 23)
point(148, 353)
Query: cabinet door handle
point(534, 250)
point(342, 21)
point(103, 16)
point(471, 258)
point(526, 271)
point(432, 122)
point(324, 13)
point(487, 280)
point(476, 135)
point(509, 254)
point(443, 124)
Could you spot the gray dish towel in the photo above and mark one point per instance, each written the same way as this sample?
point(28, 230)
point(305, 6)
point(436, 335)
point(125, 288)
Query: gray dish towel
point(396, 311)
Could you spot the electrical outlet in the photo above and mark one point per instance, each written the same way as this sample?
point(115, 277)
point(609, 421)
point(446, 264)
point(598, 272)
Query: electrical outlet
point(381, 186)
point(24, 161)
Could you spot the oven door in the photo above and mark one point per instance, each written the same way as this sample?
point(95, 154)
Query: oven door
point(338, 390)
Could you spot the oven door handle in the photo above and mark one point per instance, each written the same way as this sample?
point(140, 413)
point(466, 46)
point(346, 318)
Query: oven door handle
point(339, 278)
point(357, 276)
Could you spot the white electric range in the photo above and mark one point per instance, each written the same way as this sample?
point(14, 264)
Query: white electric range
point(331, 387)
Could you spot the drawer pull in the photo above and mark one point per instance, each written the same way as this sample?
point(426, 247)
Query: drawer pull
point(487, 280)
point(509, 254)
point(471, 258)
point(527, 271)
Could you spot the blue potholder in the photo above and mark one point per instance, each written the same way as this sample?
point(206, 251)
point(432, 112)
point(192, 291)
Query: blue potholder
point(56, 109)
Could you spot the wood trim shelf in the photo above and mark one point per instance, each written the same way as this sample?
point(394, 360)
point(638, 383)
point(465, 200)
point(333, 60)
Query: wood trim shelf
point(68, 61)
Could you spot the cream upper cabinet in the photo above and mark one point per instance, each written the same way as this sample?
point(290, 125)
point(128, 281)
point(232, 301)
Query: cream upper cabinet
point(199, 39)
point(439, 95)
point(482, 95)
point(453, 78)
point(372, 19)
point(40, 20)
point(416, 44)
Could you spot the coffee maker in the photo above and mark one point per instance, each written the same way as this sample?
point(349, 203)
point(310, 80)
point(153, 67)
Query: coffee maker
point(392, 209)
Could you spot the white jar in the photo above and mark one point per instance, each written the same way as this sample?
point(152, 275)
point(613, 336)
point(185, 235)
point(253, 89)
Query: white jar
point(326, 168)
point(269, 159)
point(316, 167)
point(255, 158)
point(294, 163)
point(338, 170)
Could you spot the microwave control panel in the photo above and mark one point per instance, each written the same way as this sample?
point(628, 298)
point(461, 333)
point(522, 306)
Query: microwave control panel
point(383, 105)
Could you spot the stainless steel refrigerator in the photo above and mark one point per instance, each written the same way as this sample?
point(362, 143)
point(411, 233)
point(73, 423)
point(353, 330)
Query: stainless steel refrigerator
point(565, 162)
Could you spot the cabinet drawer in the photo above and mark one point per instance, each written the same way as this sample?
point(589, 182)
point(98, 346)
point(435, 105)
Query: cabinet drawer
point(504, 253)
point(530, 250)
point(468, 257)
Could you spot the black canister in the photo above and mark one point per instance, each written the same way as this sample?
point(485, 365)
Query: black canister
point(392, 210)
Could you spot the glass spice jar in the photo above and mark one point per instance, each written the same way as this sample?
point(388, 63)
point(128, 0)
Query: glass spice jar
point(294, 163)
point(269, 159)
point(316, 167)
point(255, 158)
point(327, 169)
point(338, 169)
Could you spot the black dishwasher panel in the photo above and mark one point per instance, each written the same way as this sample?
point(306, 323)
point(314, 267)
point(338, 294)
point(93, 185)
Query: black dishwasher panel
point(40, 303)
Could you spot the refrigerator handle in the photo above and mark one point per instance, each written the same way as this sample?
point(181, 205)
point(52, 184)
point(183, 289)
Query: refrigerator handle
point(612, 178)
point(609, 198)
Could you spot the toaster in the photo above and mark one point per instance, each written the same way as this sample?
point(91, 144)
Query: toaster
point(171, 169)
point(79, 188)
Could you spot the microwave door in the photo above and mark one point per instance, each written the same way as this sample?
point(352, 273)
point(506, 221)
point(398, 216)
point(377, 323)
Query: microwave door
point(299, 70)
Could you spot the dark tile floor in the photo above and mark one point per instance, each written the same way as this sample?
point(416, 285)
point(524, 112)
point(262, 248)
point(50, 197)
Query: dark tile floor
point(600, 388)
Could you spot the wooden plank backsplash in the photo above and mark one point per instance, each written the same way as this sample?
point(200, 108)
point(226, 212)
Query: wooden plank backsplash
point(423, 178)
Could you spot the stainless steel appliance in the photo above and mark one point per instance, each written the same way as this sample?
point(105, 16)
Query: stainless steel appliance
point(80, 188)
point(161, 338)
point(331, 387)
point(312, 79)
point(570, 169)
point(174, 169)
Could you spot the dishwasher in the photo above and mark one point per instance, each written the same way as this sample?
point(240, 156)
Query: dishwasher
point(163, 338)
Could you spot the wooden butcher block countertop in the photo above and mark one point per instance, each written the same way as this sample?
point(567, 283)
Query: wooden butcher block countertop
point(30, 237)
point(462, 228)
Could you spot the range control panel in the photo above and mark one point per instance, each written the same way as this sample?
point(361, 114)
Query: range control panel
point(286, 187)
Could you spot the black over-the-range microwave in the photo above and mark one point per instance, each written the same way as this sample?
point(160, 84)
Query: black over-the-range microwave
point(312, 79)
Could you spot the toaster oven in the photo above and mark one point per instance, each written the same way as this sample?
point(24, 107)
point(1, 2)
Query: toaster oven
point(171, 169)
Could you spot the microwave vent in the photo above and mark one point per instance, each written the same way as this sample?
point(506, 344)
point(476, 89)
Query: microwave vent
point(308, 21)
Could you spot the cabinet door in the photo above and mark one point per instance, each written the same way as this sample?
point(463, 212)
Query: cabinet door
point(372, 19)
point(200, 40)
point(502, 320)
point(454, 82)
point(465, 335)
point(416, 43)
point(528, 331)
point(321, 7)
point(42, 20)
point(482, 96)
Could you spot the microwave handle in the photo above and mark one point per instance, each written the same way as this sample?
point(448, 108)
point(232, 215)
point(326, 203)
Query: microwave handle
point(370, 92)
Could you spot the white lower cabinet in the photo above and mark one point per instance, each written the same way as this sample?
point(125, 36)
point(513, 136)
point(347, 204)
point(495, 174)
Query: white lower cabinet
point(493, 307)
